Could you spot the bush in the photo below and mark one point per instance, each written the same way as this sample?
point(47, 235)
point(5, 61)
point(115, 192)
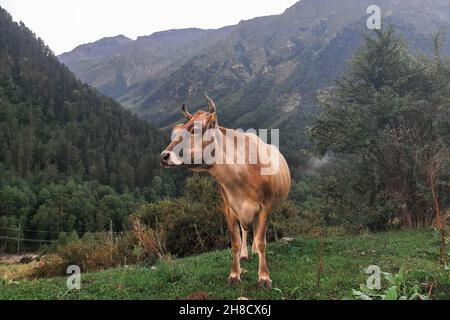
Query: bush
point(285, 222)
point(74, 253)
point(51, 265)
point(184, 227)
point(92, 253)
point(152, 243)
point(106, 255)
point(26, 259)
point(188, 225)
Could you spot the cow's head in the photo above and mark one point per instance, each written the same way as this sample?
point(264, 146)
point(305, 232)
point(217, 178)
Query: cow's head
point(189, 140)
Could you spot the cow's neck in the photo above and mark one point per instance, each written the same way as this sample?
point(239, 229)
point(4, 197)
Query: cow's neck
point(224, 174)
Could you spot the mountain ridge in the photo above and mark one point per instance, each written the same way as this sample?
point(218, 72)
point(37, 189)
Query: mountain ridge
point(263, 71)
point(114, 41)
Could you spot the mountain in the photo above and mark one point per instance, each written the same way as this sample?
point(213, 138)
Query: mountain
point(264, 72)
point(113, 64)
point(97, 50)
point(53, 127)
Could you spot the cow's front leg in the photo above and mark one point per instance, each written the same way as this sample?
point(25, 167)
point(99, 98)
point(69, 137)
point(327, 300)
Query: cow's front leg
point(233, 226)
point(260, 246)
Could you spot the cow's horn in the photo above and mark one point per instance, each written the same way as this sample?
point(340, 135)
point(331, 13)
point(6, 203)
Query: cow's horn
point(186, 113)
point(211, 105)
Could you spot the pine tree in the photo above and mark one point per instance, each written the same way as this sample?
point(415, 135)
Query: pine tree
point(383, 116)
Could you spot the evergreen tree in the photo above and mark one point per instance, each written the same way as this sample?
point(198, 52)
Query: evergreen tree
point(382, 119)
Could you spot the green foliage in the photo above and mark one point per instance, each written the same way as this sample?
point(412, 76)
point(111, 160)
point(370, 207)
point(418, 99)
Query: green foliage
point(81, 207)
point(382, 128)
point(191, 224)
point(284, 222)
point(398, 288)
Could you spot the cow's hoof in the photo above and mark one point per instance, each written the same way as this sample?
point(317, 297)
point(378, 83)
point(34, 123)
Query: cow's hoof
point(233, 280)
point(244, 258)
point(264, 283)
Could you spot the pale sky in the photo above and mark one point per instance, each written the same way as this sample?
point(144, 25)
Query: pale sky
point(64, 24)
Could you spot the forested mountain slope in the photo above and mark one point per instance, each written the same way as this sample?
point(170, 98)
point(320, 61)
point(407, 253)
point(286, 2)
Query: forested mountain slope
point(56, 134)
point(51, 122)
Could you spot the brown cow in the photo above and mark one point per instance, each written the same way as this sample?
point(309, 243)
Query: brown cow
point(249, 195)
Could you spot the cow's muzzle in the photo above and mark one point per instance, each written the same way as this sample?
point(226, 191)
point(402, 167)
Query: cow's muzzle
point(169, 159)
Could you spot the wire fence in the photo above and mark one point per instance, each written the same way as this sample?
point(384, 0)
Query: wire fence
point(56, 232)
point(30, 230)
point(18, 236)
point(26, 240)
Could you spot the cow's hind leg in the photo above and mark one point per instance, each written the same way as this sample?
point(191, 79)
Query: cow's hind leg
point(235, 235)
point(254, 249)
point(244, 250)
point(260, 246)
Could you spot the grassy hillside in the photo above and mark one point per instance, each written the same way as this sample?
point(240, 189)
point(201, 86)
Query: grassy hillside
point(293, 268)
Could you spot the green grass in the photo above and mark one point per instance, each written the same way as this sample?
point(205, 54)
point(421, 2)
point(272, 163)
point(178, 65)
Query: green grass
point(293, 271)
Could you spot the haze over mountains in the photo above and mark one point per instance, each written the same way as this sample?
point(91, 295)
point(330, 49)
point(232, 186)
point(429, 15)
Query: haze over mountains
point(264, 72)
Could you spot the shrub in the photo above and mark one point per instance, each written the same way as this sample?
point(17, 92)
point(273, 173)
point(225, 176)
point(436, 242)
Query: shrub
point(91, 253)
point(106, 255)
point(152, 243)
point(183, 227)
point(51, 265)
point(74, 253)
point(26, 259)
point(285, 222)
